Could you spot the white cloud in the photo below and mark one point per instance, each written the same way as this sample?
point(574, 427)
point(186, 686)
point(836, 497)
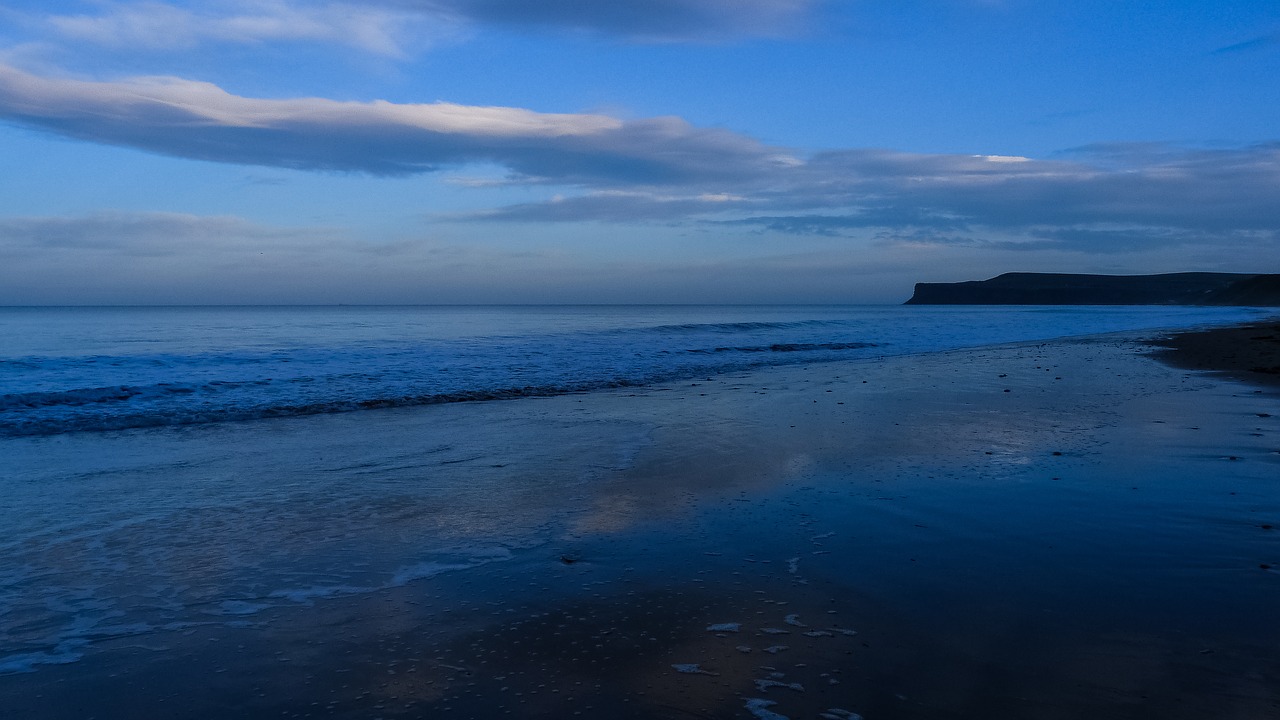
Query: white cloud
point(1004, 158)
point(160, 102)
point(199, 120)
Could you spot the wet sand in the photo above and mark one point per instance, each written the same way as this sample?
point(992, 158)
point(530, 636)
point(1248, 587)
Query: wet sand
point(1248, 352)
point(1057, 530)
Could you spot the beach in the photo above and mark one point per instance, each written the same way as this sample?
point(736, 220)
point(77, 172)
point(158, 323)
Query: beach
point(1058, 529)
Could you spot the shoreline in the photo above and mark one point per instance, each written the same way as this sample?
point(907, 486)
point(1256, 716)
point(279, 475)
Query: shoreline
point(86, 393)
point(1040, 530)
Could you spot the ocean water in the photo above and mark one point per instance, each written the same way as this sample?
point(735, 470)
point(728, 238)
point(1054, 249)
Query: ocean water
point(167, 468)
point(100, 369)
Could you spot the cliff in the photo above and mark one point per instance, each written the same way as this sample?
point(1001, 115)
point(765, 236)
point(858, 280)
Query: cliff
point(1066, 289)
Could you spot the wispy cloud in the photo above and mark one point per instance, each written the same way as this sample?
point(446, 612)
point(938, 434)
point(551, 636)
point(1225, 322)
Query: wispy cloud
point(645, 20)
point(199, 120)
point(159, 26)
point(176, 258)
point(1106, 199)
point(397, 28)
point(1257, 43)
point(155, 257)
point(149, 234)
point(152, 26)
point(616, 206)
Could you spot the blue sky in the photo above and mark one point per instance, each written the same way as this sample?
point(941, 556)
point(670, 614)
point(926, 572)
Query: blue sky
point(460, 151)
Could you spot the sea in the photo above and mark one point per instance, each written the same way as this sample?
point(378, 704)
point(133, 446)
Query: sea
point(66, 370)
point(166, 468)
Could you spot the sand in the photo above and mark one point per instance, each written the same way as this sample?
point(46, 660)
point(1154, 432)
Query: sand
point(1248, 352)
point(1057, 530)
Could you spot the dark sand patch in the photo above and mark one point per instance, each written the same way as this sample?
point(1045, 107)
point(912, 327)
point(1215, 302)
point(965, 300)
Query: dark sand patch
point(1247, 352)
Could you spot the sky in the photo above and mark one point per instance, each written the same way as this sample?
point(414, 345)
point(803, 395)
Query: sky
point(626, 151)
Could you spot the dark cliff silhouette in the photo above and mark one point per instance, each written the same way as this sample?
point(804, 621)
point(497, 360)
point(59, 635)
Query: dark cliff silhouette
point(1192, 288)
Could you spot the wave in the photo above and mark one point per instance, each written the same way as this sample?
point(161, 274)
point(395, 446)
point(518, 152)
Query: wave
point(123, 419)
point(50, 395)
point(88, 396)
point(129, 407)
point(790, 347)
point(730, 327)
